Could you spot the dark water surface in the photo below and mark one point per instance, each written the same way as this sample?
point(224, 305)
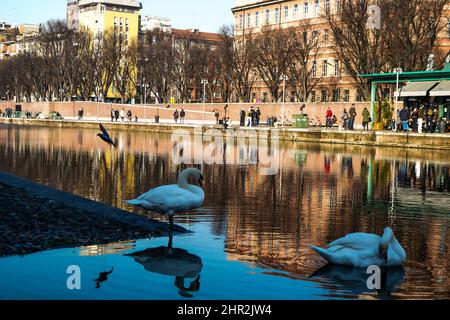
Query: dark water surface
point(250, 240)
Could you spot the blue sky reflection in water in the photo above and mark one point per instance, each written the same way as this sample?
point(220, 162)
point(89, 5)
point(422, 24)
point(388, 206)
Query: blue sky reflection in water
point(253, 232)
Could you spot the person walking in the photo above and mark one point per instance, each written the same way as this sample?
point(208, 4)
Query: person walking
point(404, 118)
point(366, 119)
point(122, 115)
point(398, 122)
point(257, 116)
point(129, 115)
point(329, 118)
point(420, 120)
point(117, 114)
point(249, 117)
point(176, 115)
point(415, 120)
point(182, 116)
point(352, 117)
point(217, 115)
point(345, 119)
point(242, 118)
point(253, 115)
point(112, 115)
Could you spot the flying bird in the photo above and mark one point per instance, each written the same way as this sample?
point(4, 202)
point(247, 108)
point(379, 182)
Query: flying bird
point(105, 137)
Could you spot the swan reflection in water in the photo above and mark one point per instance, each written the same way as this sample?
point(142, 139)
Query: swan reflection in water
point(354, 280)
point(173, 262)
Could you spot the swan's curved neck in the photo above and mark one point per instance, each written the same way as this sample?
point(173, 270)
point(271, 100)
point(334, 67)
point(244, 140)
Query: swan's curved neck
point(387, 237)
point(183, 178)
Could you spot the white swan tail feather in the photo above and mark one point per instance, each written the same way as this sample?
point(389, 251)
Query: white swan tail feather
point(322, 252)
point(135, 202)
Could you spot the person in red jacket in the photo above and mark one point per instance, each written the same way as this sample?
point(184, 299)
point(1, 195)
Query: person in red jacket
point(329, 118)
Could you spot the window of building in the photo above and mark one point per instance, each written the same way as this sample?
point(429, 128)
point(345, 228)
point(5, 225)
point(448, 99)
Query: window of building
point(249, 21)
point(347, 95)
point(267, 16)
point(336, 68)
point(448, 28)
point(314, 69)
point(313, 96)
point(121, 22)
point(327, 7)
point(292, 96)
point(102, 8)
point(277, 15)
point(296, 11)
point(336, 95)
point(316, 8)
point(338, 6)
point(359, 95)
point(257, 19)
point(326, 36)
point(286, 13)
point(265, 97)
point(325, 68)
point(324, 97)
point(306, 11)
point(241, 22)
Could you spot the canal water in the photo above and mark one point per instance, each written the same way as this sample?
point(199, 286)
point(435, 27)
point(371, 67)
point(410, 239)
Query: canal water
point(265, 203)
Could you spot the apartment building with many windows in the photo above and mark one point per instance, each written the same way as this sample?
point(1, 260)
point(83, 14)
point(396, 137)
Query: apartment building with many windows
point(250, 16)
point(99, 16)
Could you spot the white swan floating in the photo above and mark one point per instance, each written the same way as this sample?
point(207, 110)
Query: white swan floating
point(172, 199)
point(364, 250)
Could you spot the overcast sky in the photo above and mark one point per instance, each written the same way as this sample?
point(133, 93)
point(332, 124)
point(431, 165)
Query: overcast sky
point(207, 15)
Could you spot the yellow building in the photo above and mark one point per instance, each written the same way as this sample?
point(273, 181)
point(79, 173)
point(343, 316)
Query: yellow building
point(121, 16)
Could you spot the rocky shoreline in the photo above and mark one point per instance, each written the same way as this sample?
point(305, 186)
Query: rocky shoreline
point(32, 222)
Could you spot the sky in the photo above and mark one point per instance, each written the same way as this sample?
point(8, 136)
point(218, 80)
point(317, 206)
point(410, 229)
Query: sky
point(206, 15)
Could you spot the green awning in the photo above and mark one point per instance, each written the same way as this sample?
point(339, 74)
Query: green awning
point(441, 90)
point(416, 89)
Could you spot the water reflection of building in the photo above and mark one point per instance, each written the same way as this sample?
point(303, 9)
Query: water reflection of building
point(112, 248)
point(318, 194)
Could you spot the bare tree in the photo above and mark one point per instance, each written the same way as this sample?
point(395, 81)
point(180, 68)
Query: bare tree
point(302, 72)
point(188, 66)
point(274, 54)
point(156, 63)
point(225, 57)
point(407, 34)
point(243, 66)
point(412, 31)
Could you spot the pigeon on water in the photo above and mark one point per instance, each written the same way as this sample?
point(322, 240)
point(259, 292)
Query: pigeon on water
point(105, 137)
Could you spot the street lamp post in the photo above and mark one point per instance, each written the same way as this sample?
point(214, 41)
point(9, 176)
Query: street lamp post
point(284, 100)
point(145, 90)
point(204, 82)
point(397, 71)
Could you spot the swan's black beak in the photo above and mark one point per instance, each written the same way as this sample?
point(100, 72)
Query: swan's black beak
point(201, 181)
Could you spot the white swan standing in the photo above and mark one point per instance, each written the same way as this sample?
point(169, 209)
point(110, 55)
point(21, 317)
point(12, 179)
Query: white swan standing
point(177, 198)
point(364, 250)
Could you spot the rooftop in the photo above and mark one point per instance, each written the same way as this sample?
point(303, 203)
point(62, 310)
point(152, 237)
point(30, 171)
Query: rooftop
point(247, 4)
point(194, 33)
point(124, 3)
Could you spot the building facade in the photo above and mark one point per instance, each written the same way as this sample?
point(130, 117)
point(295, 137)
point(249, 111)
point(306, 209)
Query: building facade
point(119, 16)
point(73, 14)
point(153, 22)
point(250, 16)
point(17, 39)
